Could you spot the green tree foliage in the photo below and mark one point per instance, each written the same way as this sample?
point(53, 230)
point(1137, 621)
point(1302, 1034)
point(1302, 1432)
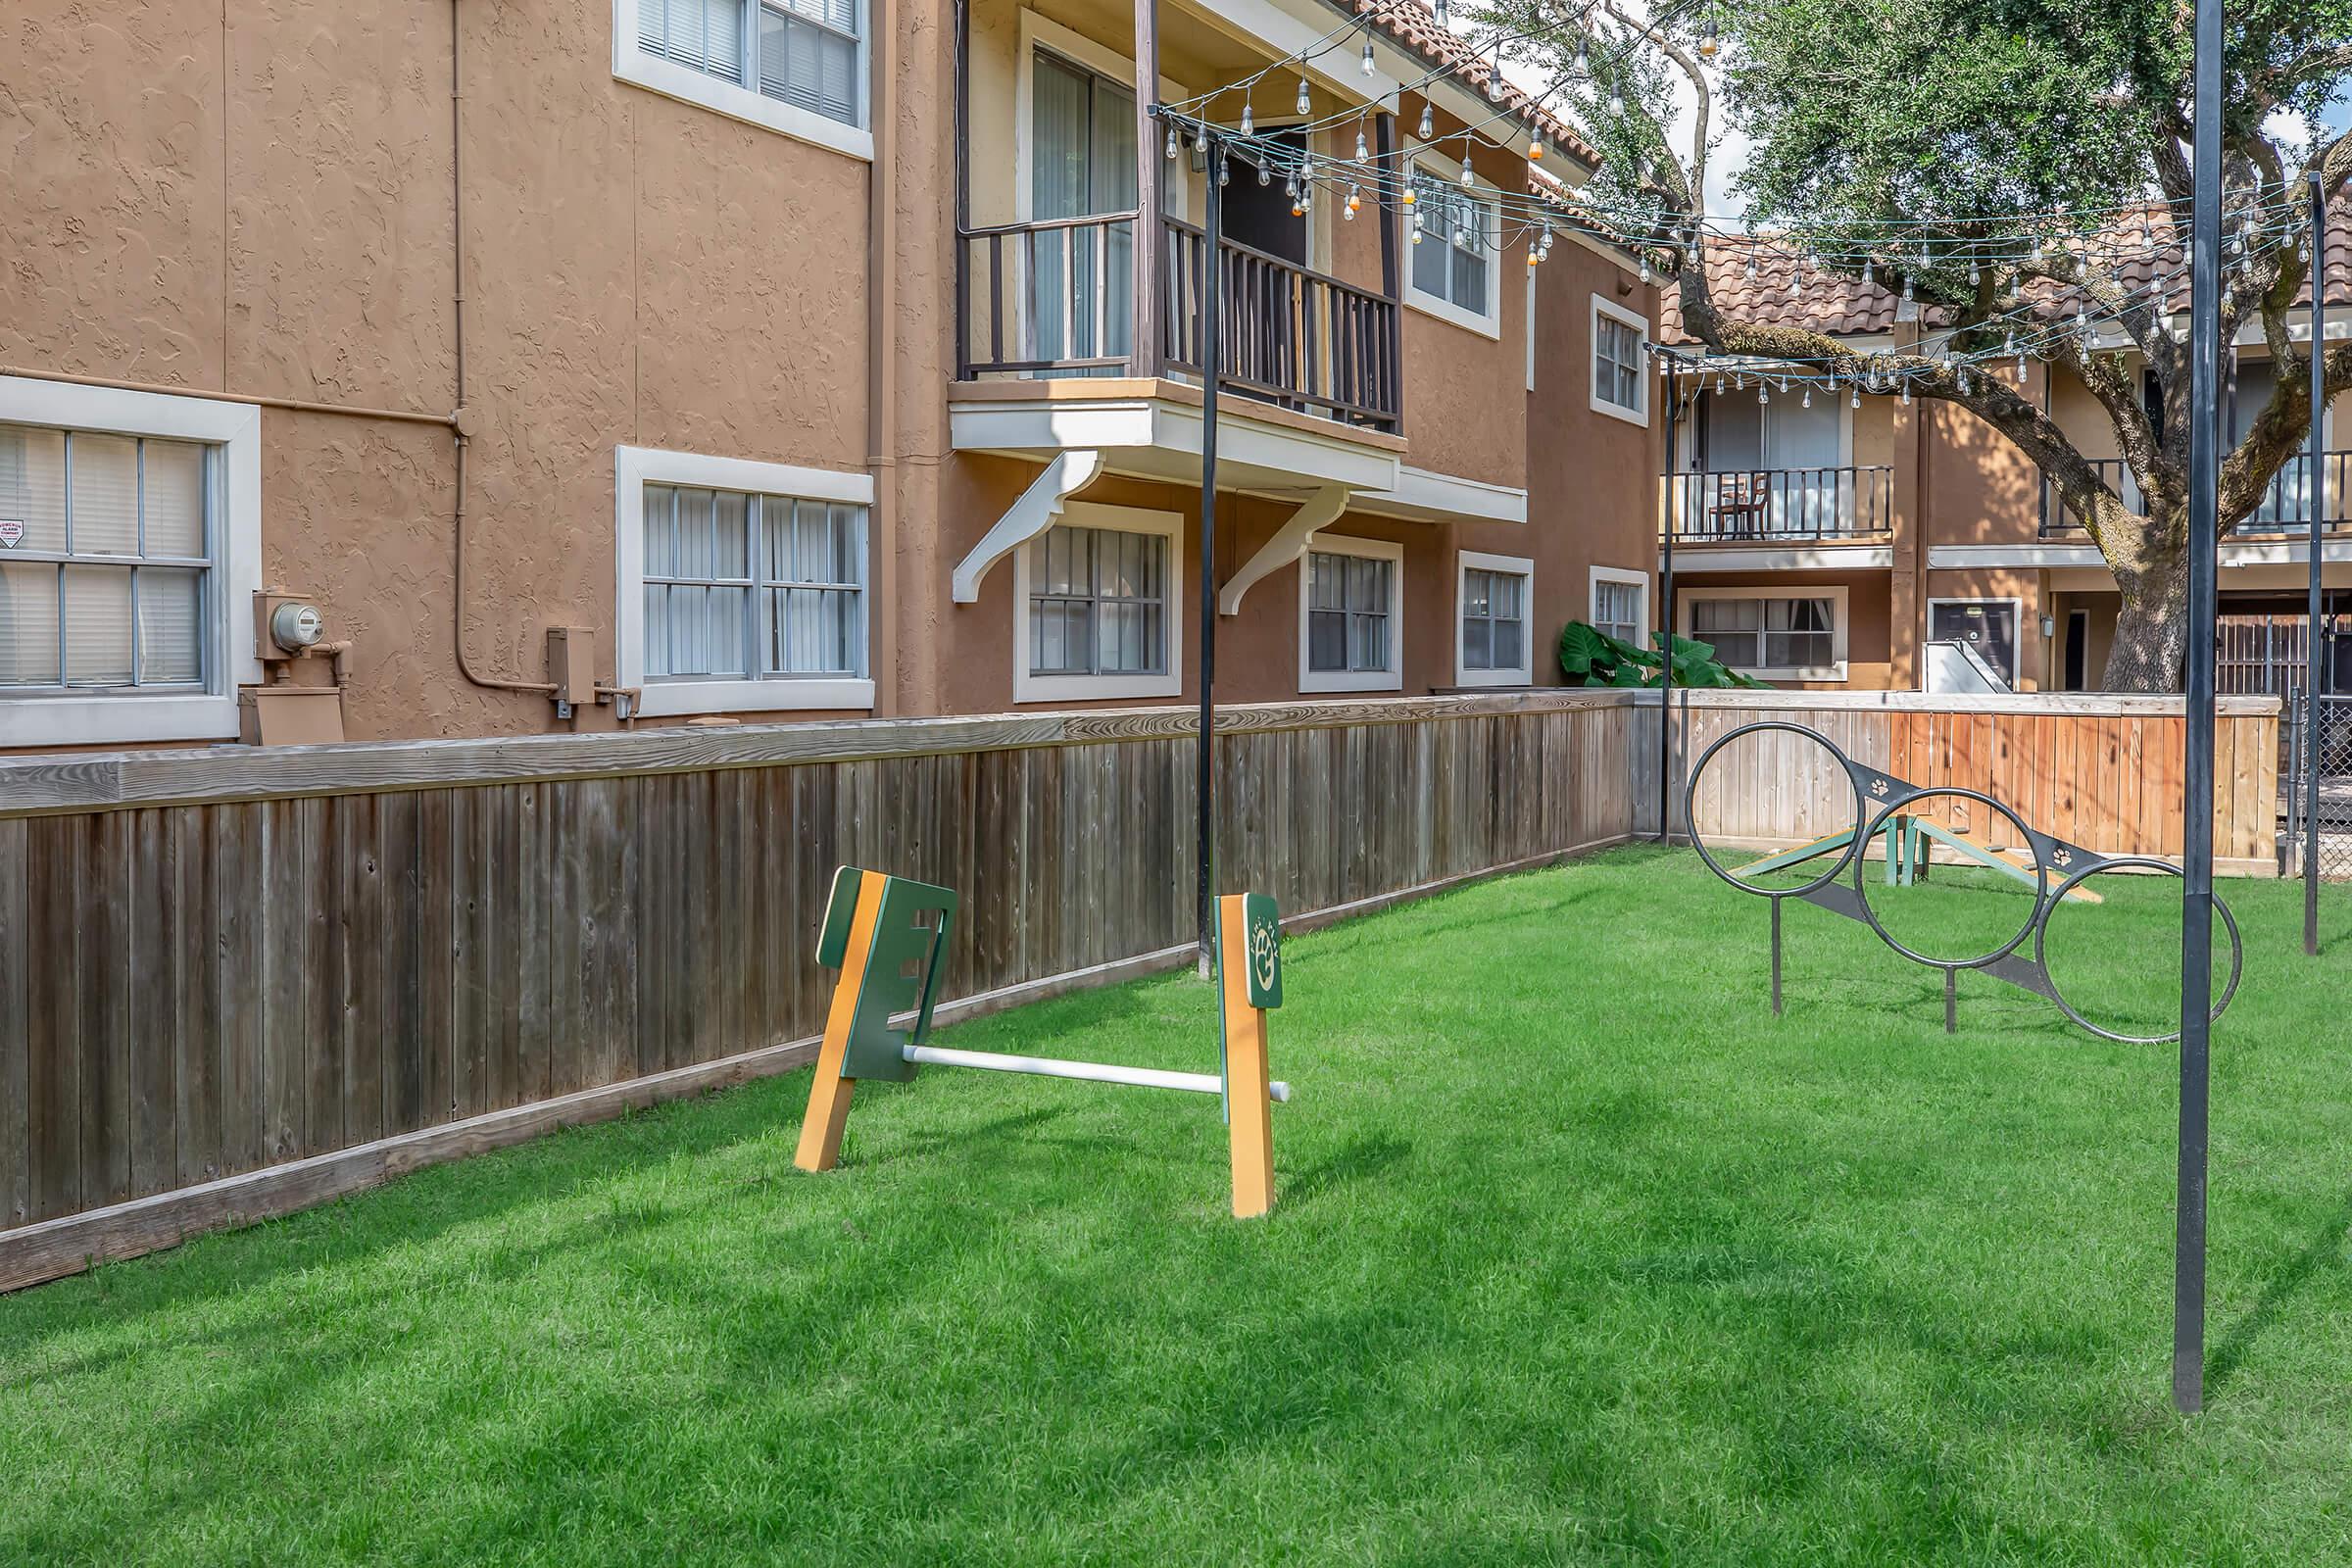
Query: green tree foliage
point(1913, 139)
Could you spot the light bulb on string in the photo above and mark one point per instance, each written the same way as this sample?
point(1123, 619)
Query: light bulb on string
point(1710, 42)
point(1417, 227)
point(1429, 121)
point(1616, 104)
point(1763, 393)
point(1246, 121)
point(1369, 66)
point(1855, 398)
point(1440, 9)
point(1584, 57)
point(1265, 173)
point(1306, 105)
point(1465, 163)
point(1806, 400)
point(1172, 149)
point(1535, 147)
point(1224, 172)
point(1363, 150)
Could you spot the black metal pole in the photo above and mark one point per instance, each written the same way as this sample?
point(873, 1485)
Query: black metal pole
point(2196, 897)
point(2317, 488)
point(1212, 369)
point(1666, 637)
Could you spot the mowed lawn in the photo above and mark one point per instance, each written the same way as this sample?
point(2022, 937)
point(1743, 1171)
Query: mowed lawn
point(1579, 1257)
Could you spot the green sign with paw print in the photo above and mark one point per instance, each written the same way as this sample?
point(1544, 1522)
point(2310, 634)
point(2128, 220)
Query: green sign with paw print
point(1262, 924)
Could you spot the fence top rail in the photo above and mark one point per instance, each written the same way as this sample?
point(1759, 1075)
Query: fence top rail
point(2089, 705)
point(91, 781)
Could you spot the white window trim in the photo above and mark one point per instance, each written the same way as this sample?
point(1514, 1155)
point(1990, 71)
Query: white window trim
point(1029, 688)
point(1388, 679)
point(1640, 579)
point(1834, 670)
point(635, 467)
point(632, 65)
point(235, 550)
point(1428, 160)
point(1524, 672)
point(2017, 622)
point(1640, 325)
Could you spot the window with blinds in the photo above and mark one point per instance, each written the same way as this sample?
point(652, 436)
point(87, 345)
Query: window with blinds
point(1768, 633)
point(106, 562)
point(1098, 603)
point(1349, 602)
point(1494, 619)
point(1617, 609)
point(1617, 363)
point(806, 53)
point(751, 587)
point(1454, 244)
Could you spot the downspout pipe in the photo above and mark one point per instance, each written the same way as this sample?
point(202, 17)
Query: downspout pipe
point(881, 358)
point(462, 423)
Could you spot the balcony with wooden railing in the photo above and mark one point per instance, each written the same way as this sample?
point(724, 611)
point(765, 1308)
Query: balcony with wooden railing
point(2286, 506)
point(1780, 506)
point(1058, 298)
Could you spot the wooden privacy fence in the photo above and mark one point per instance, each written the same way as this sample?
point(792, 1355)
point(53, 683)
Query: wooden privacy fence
point(236, 982)
point(2099, 770)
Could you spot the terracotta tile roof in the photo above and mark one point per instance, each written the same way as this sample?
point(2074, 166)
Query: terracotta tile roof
point(1824, 302)
point(1843, 305)
point(1415, 25)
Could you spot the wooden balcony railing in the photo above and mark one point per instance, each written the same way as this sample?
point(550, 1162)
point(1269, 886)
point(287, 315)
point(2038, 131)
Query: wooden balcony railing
point(2285, 505)
point(1767, 506)
point(1056, 298)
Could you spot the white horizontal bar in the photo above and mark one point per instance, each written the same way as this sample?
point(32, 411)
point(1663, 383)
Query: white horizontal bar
point(1199, 1082)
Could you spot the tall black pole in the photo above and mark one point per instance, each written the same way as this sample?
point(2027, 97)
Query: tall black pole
point(1212, 331)
point(2196, 897)
point(1674, 498)
point(2316, 489)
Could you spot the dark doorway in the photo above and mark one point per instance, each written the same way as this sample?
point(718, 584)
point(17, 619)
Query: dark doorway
point(2077, 649)
point(1259, 215)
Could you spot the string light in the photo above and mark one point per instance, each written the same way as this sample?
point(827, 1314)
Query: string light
point(1429, 121)
point(1369, 66)
point(1171, 142)
point(1364, 151)
point(1306, 105)
point(1247, 128)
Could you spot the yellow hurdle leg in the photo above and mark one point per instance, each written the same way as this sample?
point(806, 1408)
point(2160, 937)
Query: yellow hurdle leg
point(1250, 1110)
point(829, 1096)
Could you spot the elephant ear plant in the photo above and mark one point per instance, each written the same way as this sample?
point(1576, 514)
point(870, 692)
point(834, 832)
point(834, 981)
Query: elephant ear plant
point(1594, 657)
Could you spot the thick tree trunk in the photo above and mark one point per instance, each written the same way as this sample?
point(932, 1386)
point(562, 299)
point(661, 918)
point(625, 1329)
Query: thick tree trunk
point(2150, 648)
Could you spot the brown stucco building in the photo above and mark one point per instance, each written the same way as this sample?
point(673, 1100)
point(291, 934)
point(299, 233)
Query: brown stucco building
point(651, 361)
point(1881, 526)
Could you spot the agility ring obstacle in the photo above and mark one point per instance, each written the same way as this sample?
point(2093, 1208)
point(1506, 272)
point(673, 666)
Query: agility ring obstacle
point(1888, 809)
point(887, 936)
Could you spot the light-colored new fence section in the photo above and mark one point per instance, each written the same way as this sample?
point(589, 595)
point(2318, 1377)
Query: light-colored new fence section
point(236, 982)
point(2099, 770)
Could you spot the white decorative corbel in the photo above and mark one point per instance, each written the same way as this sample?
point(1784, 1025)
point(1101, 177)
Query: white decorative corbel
point(1320, 510)
point(1031, 515)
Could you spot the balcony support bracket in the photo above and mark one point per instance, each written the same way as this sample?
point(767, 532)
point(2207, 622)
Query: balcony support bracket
point(1288, 543)
point(1028, 517)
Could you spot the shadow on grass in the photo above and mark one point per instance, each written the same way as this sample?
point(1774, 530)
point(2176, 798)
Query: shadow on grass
point(2322, 1253)
point(1352, 1162)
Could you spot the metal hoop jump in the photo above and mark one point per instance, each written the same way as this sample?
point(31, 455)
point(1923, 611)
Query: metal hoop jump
point(1880, 802)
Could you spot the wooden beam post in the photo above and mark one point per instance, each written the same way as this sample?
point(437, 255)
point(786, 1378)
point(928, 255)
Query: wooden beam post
point(1249, 963)
point(1151, 138)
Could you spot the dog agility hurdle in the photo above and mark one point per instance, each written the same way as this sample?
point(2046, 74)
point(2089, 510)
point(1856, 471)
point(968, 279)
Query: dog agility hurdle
point(887, 936)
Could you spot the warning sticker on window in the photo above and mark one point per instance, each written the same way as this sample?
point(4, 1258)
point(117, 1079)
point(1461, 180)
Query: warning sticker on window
point(12, 530)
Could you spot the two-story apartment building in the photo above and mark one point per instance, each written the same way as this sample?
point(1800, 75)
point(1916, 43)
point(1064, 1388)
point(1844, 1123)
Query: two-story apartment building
point(1829, 539)
point(401, 368)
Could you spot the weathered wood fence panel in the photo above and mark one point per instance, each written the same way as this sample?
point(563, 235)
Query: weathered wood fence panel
point(211, 969)
point(2098, 771)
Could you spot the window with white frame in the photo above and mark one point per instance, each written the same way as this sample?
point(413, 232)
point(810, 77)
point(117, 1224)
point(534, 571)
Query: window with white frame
point(751, 587)
point(127, 522)
point(1621, 604)
point(1796, 637)
point(1494, 638)
point(796, 65)
point(1097, 602)
point(1350, 609)
point(107, 561)
point(743, 584)
point(1457, 251)
point(1618, 386)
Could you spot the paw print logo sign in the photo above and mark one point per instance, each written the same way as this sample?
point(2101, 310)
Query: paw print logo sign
point(1264, 927)
point(1787, 774)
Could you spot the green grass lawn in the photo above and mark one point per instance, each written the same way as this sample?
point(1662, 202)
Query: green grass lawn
point(1580, 1256)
